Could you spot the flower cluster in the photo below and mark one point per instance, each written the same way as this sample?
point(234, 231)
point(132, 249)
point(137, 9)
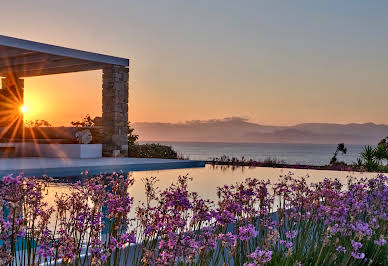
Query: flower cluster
point(259, 257)
point(253, 222)
point(29, 235)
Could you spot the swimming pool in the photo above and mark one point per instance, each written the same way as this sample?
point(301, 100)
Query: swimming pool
point(205, 180)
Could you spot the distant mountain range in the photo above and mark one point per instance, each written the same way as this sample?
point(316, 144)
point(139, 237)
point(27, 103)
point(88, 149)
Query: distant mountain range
point(237, 129)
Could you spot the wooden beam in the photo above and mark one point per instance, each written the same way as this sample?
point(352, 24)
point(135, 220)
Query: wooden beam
point(56, 70)
point(27, 59)
point(63, 62)
point(9, 52)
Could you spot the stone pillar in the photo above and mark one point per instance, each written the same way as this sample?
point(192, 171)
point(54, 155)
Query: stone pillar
point(115, 110)
point(11, 100)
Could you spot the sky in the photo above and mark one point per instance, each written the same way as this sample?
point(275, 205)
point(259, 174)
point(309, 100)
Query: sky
point(272, 62)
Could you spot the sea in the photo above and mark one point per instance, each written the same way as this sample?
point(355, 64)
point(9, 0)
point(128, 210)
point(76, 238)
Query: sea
point(310, 154)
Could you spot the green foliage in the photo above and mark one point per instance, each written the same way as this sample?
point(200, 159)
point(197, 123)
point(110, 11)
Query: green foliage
point(132, 137)
point(369, 160)
point(153, 150)
point(380, 153)
point(374, 158)
point(134, 149)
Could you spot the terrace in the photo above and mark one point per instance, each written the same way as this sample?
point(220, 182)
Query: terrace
point(21, 59)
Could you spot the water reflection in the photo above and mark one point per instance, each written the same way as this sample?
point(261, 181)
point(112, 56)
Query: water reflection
point(207, 179)
point(204, 181)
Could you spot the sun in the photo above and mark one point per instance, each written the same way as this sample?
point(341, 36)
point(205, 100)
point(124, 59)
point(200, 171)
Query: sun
point(23, 109)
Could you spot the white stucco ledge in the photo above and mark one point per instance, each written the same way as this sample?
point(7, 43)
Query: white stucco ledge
point(57, 167)
point(55, 150)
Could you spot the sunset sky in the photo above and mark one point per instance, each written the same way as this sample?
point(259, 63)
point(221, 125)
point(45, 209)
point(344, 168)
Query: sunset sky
point(273, 62)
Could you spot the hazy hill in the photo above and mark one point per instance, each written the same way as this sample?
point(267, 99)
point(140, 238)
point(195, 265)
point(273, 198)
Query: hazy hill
point(238, 129)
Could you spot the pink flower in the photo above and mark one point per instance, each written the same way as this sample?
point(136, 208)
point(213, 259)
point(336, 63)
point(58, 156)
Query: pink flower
point(247, 232)
point(260, 257)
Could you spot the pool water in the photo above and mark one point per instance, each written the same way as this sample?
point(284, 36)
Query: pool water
point(205, 180)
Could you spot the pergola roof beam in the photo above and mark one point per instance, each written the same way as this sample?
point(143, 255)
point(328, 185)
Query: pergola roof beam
point(44, 64)
point(7, 52)
point(61, 51)
point(41, 67)
point(27, 59)
point(59, 70)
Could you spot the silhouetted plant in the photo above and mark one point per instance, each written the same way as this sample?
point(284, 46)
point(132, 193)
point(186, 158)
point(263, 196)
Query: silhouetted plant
point(381, 152)
point(340, 148)
point(36, 123)
point(87, 121)
point(384, 142)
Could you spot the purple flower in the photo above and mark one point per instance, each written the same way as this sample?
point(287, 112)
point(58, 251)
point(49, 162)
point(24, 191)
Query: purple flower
point(356, 245)
point(22, 233)
point(380, 242)
point(44, 251)
point(224, 216)
point(362, 227)
point(291, 234)
point(289, 245)
point(113, 243)
point(7, 225)
point(358, 255)
point(227, 239)
point(260, 257)
point(194, 244)
point(127, 238)
point(161, 244)
point(247, 232)
point(341, 249)
point(104, 257)
point(170, 243)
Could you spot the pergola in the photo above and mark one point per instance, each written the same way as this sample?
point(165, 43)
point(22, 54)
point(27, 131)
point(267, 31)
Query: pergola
point(22, 58)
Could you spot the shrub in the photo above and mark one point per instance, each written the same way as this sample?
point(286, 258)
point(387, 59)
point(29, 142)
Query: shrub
point(153, 150)
point(132, 137)
point(368, 159)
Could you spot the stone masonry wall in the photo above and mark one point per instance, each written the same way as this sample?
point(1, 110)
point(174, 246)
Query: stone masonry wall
point(115, 85)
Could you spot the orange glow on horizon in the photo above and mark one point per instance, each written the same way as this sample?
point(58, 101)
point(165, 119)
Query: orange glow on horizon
point(60, 99)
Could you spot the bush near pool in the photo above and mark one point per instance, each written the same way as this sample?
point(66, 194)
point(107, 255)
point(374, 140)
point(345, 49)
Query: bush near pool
point(153, 150)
